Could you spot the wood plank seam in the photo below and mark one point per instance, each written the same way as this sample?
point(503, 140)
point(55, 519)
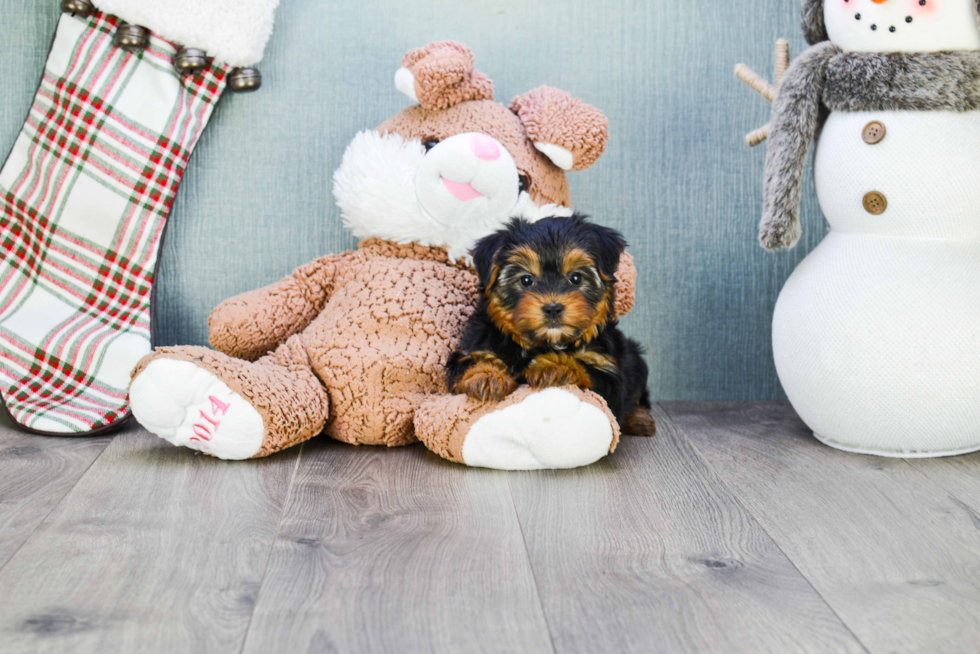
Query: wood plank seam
point(530, 565)
point(735, 496)
point(272, 546)
point(56, 504)
point(647, 549)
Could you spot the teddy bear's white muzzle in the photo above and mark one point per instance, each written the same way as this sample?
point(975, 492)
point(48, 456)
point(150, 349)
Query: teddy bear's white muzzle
point(468, 177)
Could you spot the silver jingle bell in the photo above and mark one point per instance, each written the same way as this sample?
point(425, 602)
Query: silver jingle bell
point(245, 80)
point(190, 61)
point(132, 38)
point(77, 7)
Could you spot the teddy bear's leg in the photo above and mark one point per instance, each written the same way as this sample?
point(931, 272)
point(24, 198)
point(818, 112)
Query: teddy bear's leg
point(230, 408)
point(529, 430)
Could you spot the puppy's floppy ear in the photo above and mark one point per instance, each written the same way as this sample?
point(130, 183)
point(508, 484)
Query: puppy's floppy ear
point(484, 256)
point(610, 246)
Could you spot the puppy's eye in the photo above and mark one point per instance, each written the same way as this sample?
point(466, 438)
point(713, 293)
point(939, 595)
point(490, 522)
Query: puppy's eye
point(575, 279)
point(527, 281)
point(523, 183)
point(431, 143)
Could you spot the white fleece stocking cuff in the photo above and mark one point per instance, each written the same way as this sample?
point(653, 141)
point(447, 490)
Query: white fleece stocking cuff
point(234, 32)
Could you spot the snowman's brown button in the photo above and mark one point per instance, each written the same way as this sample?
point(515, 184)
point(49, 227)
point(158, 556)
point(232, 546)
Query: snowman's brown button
point(875, 203)
point(874, 133)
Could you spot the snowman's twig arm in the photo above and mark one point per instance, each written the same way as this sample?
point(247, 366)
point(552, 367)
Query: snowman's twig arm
point(782, 60)
point(755, 82)
point(795, 114)
point(757, 136)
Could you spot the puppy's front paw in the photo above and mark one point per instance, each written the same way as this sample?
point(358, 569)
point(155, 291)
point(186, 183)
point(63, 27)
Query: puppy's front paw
point(556, 369)
point(486, 381)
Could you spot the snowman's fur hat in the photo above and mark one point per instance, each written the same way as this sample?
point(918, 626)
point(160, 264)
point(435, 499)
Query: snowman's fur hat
point(814, 29)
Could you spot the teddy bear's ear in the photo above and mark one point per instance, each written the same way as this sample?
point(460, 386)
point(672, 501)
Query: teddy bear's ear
point(571, 133)
point(440, 75)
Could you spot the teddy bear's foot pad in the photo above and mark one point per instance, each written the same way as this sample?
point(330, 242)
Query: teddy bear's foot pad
point(191, 407)
point(549, 429)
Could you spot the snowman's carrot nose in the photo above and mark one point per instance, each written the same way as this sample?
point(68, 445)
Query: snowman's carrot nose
point(879, 2)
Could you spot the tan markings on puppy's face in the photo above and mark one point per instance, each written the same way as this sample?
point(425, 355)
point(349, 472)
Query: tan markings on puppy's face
point(598, 320)
point(525, 260)
point(577, 260)
point(549, 298)
point(532, 320)
point(505, 282)
point(520, 261)
point(502, 317)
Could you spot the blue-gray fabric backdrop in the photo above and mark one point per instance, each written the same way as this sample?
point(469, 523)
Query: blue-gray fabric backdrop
point(677, 178)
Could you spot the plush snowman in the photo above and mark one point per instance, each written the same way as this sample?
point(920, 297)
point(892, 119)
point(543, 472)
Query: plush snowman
point(876, 335)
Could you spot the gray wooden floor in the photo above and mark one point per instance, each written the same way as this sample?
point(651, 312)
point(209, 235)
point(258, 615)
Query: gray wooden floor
point(732, 530)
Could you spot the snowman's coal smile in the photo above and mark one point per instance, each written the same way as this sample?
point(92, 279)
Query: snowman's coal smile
point(892, 29)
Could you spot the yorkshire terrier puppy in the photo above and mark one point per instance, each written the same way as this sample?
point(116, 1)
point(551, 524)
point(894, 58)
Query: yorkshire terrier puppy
point(546, 319)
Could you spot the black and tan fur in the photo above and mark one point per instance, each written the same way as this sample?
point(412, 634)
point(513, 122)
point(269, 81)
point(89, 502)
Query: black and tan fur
point(546, 319)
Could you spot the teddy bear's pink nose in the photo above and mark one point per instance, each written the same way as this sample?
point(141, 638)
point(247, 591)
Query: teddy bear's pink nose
point(485, 147)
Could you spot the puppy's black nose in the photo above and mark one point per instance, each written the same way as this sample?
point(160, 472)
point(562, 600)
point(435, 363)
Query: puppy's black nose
point(553, 311)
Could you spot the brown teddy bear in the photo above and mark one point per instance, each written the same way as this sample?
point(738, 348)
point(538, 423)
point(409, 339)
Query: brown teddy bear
point(355, 344)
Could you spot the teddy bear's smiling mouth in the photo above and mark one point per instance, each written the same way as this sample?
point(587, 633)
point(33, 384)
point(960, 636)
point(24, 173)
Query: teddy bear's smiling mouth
point(461, 191)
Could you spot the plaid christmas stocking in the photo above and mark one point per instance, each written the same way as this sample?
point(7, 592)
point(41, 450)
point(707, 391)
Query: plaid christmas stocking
point(84, 198)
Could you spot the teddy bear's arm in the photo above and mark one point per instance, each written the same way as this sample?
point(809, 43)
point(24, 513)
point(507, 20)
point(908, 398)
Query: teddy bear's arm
point(252, 324)
point(625, 285)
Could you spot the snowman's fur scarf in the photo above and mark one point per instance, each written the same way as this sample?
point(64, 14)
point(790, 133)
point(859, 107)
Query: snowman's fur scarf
point(375, 190)
point(936, 81)
point(826, 79)
point(814, 28)
point(795, 115)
